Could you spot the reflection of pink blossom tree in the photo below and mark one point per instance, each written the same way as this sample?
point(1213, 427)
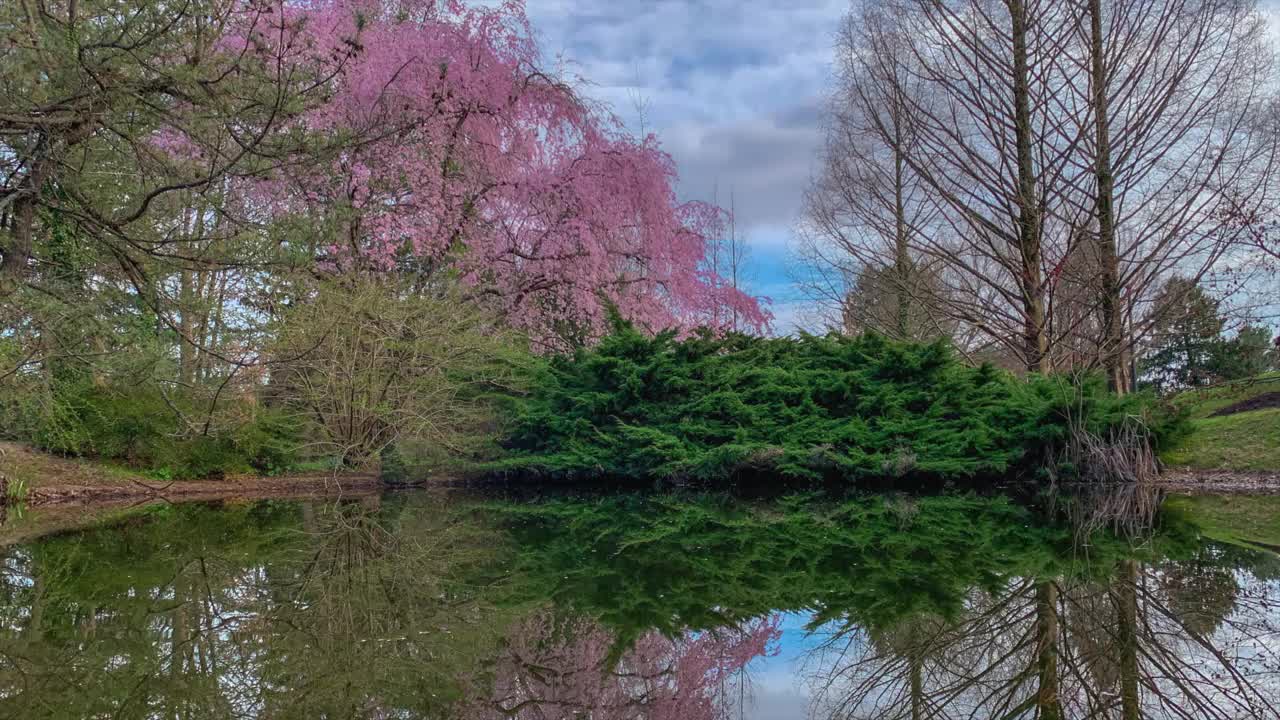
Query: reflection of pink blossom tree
point(564, 669)
point(465, 156)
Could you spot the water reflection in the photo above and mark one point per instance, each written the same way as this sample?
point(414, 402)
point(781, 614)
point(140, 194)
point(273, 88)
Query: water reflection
point(1061, 649)
point(418, 606)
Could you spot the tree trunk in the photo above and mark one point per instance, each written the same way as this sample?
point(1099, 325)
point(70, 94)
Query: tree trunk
point(15, 254)
point(917, 685)
point(901, 259)
point(1126, 602)
point(1047, 699)
point(1112, 345)
point(1036, 345)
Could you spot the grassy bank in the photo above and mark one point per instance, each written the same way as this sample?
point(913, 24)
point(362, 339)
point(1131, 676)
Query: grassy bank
point(1241, 441)
point(37, 478)
point(27, 470)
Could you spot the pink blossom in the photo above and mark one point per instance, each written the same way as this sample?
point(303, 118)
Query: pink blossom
point(468, 157)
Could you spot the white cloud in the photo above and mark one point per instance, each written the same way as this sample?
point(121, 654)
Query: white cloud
point(730, 86)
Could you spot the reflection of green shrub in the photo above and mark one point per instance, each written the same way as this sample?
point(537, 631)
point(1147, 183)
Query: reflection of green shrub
point(830, 407)
point(139, 427)
point(677, 563)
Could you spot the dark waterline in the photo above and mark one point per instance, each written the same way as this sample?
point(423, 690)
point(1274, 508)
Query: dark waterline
point(425, 605)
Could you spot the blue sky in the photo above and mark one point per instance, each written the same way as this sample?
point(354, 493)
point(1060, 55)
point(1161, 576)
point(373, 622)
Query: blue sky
point(732, 88)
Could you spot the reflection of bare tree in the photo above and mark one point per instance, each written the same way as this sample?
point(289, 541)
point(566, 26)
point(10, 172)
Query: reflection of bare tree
point(558, 668)
point(1114, 648)
point(883, 673)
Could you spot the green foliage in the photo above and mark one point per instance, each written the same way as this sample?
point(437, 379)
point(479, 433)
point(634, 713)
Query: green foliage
point(367, 363)
point(1187, 347)
point(1245, 355)
point(139, 427)
point(392, 469)
point(679, 563)
point(831, 407)
point(1183, 336)
point(335, 605)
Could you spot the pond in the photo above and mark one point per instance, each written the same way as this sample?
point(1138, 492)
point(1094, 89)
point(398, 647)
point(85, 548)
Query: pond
point(450, 605)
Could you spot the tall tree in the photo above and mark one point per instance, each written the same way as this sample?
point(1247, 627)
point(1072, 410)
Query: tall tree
point(863, 209)
point(1182, 139)
point(481, 165)
point(973, 84)
point(1187, 328)
point(113, 109)
point(1111, 344)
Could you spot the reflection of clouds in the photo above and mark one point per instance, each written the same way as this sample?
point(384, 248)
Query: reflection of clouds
point(1246, 646)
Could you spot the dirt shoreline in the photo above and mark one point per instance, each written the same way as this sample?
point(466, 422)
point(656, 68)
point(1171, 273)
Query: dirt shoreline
point(247, 488)
point(1220, 482)
point(62, 482)
point(329, 485)
point(50, 480)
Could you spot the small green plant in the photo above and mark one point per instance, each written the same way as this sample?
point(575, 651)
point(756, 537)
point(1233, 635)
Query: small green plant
point(16, 488)
point(393, 470)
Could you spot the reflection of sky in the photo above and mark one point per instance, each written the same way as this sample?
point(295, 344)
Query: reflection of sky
point(778, 690)
point(1249, 639)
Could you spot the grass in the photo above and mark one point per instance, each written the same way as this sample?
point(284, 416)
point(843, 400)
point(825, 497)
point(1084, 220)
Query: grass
point(1247, 441)
point(1236, 519)
point(36, 469)
point(1208, 400)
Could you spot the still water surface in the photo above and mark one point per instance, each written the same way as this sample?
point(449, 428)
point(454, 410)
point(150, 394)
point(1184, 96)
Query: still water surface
point(421, 605)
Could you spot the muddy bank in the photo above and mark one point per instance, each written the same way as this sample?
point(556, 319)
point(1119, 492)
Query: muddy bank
point(1220, 482)
point(329, 485)
point(44, 480)
point(189, 490)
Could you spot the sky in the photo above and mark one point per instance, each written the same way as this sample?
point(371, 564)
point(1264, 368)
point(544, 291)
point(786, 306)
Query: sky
point(733, 88)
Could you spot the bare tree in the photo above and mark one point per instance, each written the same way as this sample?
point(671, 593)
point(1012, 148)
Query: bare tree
point(369, 363)
point(1050, 163)
point(989, 145)
point(726, 257)
point(1181, 135)
point(864, 208)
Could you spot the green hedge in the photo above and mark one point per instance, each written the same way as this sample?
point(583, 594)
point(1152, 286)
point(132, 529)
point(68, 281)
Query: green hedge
point(831, 407)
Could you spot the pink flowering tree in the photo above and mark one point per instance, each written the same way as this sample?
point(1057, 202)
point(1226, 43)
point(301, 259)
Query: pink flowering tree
point(565, 668)
point(465, 159)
